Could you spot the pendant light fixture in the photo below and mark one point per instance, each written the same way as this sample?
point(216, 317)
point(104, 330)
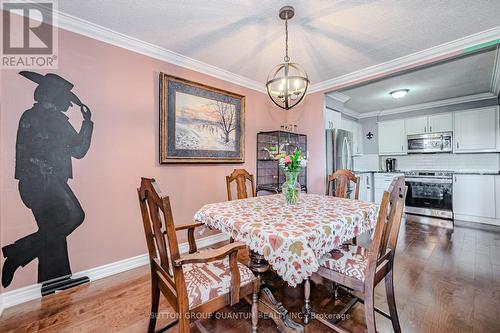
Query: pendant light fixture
point(287, 83)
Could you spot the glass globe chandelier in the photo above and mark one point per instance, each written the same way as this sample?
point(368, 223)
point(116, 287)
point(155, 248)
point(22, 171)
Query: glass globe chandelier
point(287, 83)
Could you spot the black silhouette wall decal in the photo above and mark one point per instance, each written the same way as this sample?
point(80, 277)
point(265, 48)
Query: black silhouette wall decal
point(369, 135)
point(46, 143)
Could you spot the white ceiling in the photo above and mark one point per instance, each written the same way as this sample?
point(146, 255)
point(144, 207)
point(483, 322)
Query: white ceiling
point(328, 38)
point(464, 76)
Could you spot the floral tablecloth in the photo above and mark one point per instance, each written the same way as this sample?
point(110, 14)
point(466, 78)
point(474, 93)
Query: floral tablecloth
point(291, 238)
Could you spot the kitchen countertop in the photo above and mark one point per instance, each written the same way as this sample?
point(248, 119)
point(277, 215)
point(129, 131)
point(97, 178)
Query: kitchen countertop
point(486, 173)
point(380, 171)
point(462, 172)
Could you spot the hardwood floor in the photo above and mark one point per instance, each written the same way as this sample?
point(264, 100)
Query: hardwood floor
point(445, 282)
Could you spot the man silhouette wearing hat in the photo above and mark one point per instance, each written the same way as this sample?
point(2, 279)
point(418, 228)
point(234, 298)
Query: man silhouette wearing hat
point(46, 143)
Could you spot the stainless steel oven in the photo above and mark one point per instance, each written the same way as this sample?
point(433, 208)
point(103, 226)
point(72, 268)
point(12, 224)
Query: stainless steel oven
point(430, 193)
point(430, 143)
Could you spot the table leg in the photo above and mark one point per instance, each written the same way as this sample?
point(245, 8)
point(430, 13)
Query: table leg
point(307, 306)
point(268, 305)
point(258, 265)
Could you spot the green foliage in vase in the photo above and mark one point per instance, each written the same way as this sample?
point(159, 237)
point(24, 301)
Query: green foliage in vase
point(291, 165)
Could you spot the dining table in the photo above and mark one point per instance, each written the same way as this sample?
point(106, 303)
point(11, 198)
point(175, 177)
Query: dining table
point(292, 239)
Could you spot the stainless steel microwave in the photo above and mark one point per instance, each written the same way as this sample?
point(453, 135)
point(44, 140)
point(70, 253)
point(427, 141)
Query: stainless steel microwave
point(430, 143)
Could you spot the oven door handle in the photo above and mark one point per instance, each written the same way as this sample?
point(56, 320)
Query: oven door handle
point(429, 180)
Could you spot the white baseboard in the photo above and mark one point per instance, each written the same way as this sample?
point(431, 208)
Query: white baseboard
point(32, 292)
point(477, 219)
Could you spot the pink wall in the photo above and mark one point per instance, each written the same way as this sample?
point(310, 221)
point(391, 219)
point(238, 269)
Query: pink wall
point(121, 88)
point(309, 118)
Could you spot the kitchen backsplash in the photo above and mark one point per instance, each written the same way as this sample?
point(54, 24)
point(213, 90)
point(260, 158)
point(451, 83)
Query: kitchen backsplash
point(366, 162)
point(451, 162)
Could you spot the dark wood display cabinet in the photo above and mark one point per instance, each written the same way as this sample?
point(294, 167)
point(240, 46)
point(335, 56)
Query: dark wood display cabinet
point(270, 177)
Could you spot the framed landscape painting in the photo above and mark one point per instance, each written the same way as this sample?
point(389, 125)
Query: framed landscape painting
point(200, 124)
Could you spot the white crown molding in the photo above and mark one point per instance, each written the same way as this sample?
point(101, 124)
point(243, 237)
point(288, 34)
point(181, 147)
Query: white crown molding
point(77, 25)
point(342, 98)
point(424, 106)
point(74, 24)
point(350, 112)
point(495, 79)
point(32, 292)
point(409, 61)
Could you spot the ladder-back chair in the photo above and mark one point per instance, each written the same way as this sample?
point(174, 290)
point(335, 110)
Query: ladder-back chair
point(338, 184)
point(195, 284)
point(361, 269)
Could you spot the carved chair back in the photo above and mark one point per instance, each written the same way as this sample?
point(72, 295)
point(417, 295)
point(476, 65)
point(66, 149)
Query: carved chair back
point(241, 177)
point(388, 225)
point(377, 264)
point(397, 190)
point(339, 181)
point(162, 243)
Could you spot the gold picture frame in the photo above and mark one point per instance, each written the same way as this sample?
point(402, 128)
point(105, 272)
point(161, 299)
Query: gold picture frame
point(199, 123)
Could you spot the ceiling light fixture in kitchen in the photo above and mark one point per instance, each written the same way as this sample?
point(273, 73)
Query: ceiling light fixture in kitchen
point(400, 93)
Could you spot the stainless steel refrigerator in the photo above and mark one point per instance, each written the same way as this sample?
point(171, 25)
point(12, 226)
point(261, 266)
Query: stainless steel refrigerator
point(339, 148)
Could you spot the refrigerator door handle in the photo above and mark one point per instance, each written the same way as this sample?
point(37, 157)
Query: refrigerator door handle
point(344, 153)
point(349, 155)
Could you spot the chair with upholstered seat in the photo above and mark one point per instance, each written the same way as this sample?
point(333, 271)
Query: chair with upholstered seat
point(361, 269)
point(194, 284)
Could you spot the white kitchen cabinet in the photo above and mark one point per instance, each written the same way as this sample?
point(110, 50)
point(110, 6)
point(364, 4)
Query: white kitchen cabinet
point(497, 197)
point(346, 124)
point(332, 119)
point(392, 137)
point(417, 125)
point(474, 196)
point(442, 122)
point(358, 139)
point(382, 181)
point(365, 186)
point(357, 134)
point(476, 130)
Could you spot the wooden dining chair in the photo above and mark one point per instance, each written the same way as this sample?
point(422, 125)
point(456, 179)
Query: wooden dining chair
point(397, 189)
point(195, 284)
point(361, 269)
point(338, 184)
point(241, 177)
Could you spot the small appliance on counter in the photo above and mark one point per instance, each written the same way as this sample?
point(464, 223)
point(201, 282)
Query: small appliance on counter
point(390, 165)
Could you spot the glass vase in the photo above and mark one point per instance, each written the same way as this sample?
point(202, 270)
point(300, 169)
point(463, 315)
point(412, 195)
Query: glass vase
point(291, 187)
